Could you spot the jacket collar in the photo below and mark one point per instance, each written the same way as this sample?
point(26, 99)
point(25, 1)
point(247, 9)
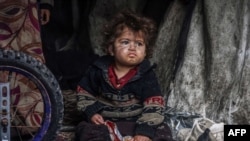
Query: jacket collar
point(104, 62)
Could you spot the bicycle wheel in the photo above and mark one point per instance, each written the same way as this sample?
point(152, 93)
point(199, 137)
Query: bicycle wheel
point(36, 100)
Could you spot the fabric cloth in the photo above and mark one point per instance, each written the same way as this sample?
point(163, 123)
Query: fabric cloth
point(139, 100)
point(20, 28)
point(97, 132)
point(101, 133)
point(47, 2)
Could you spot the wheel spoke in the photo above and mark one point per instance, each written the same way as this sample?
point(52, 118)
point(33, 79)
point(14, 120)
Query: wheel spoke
point(32, 89)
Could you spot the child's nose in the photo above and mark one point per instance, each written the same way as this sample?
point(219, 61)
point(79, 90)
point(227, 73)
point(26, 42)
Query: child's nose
point(133, 45)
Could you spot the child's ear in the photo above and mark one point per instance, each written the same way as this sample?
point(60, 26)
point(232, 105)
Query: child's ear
point(111, 50)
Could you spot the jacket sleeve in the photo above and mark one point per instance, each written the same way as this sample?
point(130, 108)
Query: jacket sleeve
point(154, 106)
point(46, 4)
point(87, 92)
point(50, 2)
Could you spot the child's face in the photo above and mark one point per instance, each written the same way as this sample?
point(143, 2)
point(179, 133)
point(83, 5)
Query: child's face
point(129, 48)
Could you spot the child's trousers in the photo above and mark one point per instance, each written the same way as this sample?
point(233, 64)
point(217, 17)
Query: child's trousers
point(90, 132)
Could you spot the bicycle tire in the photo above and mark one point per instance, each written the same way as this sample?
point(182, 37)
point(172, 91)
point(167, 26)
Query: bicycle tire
point(42, 77)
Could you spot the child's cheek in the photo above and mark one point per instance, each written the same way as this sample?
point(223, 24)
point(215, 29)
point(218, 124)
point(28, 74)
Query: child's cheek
point(122, 50)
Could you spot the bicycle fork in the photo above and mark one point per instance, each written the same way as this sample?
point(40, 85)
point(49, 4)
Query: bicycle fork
point(4, 112)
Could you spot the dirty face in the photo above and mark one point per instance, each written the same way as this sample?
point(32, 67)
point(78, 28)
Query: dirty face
point(129, 48)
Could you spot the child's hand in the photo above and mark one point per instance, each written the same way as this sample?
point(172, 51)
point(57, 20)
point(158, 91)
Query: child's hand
point(97, 119)
point(141, 138)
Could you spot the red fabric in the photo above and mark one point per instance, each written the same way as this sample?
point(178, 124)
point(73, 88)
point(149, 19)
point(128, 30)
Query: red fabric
point(119, 83)
point(79, 89)
point(157, 100)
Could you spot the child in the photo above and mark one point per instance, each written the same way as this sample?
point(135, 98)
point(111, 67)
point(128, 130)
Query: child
point(121, 86)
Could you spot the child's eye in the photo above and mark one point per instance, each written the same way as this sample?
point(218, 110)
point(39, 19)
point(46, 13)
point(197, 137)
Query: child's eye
point(139, 44)
point(124, 42)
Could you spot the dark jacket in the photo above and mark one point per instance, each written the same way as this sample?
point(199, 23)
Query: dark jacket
point(46, 4)
point(140, 100)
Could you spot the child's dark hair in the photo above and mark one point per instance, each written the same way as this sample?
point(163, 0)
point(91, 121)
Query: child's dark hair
point(135, 22)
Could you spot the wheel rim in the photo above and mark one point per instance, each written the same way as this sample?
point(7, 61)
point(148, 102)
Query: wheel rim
point(22, 121)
